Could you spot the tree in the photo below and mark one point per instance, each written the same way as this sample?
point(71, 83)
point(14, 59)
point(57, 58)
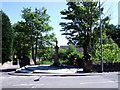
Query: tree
point(83, 20)
point(35, 30)
point(114, 33)
point(82, 28)
point(22, 40)
point(82, 25)
point(7, 38)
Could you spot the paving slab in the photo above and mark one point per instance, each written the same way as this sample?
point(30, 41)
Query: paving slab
point(47, 69)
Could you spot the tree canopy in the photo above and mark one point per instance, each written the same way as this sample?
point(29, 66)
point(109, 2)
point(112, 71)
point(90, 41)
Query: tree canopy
point(82, 27)
point(7, 37)
point(33, 34)
point(114, 33)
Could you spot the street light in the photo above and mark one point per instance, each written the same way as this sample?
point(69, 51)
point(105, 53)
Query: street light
point(101, 57)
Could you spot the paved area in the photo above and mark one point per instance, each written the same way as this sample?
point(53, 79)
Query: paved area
point(8, 66)
point(51, 77)
point(48, 69)
point(106, 80)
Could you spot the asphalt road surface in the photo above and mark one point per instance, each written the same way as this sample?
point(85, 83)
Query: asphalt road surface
point(107, 80)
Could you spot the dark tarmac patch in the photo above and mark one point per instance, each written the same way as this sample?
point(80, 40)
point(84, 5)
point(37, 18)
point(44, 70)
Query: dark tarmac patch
point(7, 70)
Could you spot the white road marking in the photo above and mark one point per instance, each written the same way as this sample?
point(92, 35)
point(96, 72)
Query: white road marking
point(99, 82)
point(23, 85)
point(26, 85)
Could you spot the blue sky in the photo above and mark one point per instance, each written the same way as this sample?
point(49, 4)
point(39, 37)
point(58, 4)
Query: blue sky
point(13, 10)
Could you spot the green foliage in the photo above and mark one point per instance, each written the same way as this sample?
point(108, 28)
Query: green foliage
point(77, 55)
point(114, 33)
point(33, 34)
point(71, 49)
point(68, 56)
point(45, 62)
point(76, 58)
point(46, 53)
point(64, 62)
point(62, 54)
point(22, 40)
point(82, 16)
point(82, 28)
point(65, 52)
point(111, 53)
point(110, 49)
point(7, 37)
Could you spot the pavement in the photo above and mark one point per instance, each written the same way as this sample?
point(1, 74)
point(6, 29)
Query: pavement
point(45, 70)
point(35, 69)
point(7, 67)
point(47, 76)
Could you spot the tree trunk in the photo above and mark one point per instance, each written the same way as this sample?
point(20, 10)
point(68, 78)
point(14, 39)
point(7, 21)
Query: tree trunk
point(33, 56)
point(36, 48)
point(87, 62)
point(85, 51)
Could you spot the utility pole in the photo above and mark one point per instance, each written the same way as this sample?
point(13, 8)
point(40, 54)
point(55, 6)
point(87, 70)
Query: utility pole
point(101, 57)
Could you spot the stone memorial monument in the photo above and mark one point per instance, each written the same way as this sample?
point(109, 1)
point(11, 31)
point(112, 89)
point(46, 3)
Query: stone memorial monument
point(56, 58)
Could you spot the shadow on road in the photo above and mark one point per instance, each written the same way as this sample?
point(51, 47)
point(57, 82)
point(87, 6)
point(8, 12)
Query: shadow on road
point(7, 70)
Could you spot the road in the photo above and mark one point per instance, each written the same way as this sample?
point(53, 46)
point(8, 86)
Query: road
point(107, 80)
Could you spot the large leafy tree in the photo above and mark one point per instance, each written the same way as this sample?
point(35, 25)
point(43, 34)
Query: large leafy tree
point(22, 40)
point(114, 33)
point(82, 28)
point(34, 31)
point(7, 37)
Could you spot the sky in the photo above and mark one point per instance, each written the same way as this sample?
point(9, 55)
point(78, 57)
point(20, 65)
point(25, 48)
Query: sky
point(13, 10)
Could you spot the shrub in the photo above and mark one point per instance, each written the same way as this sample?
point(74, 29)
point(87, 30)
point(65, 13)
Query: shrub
point(62, 54)
point(75, 58)
point(111, 53)
point(45, 62)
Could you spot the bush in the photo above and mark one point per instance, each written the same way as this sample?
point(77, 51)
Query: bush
point(47, 53)
point(111, 53)
point(62, 54)
point(64, 61)
point(71, 56)
point(75, 58)
point(45, 62)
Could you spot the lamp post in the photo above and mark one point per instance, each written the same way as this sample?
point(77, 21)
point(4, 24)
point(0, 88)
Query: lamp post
point(101, 57)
